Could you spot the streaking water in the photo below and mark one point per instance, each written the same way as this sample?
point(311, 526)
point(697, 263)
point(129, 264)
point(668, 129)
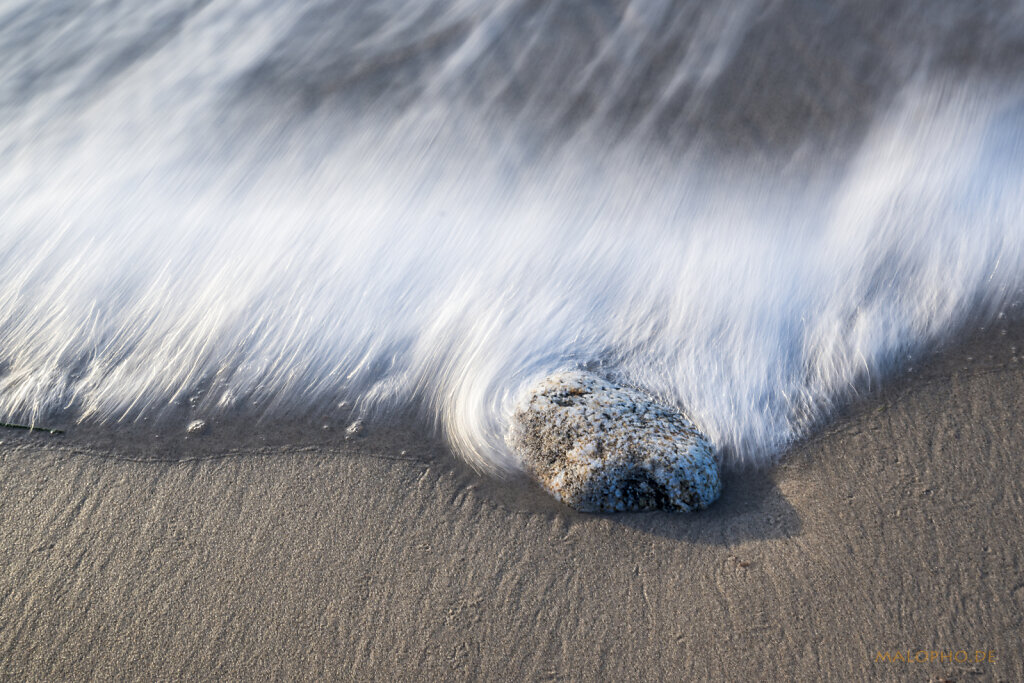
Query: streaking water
point(753, 210)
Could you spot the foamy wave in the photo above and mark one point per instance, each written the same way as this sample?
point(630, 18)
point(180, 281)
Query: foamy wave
point(167, 235)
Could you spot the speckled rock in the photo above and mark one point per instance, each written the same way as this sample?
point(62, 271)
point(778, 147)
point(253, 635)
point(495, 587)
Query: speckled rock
point(599, 447)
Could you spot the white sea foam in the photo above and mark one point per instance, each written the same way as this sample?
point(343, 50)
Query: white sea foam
point(175, 217)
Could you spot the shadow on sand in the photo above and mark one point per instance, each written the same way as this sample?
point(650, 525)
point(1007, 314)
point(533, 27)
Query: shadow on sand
point(751, 508)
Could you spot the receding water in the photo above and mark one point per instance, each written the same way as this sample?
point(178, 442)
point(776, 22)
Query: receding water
point(753, 209)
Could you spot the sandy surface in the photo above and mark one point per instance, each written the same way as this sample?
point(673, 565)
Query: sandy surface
point(898, 527)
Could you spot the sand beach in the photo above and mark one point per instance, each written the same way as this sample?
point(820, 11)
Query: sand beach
point(894, 531)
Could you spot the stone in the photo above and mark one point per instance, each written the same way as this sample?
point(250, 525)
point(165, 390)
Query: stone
point(600, 447)
point(357, 428)
point(196, 427)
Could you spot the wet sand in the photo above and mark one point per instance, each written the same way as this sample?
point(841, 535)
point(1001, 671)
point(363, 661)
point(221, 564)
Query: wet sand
point(897, 528)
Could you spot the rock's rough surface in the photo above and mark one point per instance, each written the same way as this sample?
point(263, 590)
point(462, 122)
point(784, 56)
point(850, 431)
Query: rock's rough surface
point(599, 447)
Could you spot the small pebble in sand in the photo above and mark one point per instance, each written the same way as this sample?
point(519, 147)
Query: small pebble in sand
point(196, 427)
point(599, 447)
point(355, 429)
